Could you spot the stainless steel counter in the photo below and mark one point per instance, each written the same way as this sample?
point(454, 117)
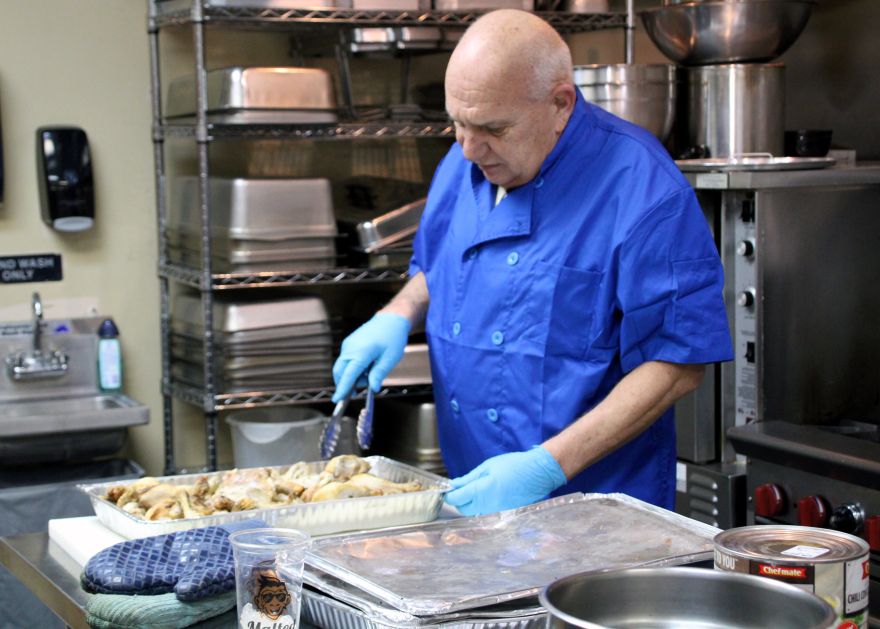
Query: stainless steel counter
point(54, 577)
point(868, 173)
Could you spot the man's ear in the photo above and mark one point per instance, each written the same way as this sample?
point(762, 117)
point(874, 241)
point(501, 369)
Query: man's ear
point(564, 98)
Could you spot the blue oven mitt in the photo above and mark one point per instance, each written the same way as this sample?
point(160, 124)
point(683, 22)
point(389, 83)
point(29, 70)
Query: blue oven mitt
point(193, 564)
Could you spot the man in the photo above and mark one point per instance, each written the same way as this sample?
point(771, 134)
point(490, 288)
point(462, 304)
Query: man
point(574, 286)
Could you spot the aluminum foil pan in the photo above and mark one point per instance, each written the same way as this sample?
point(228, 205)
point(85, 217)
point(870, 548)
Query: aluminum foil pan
point(328, 613)
point(318, 518)
point(383, 614)
point(462, 564)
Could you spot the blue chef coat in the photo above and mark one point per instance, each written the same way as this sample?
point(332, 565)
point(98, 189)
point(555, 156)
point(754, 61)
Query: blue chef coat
point(540, 305)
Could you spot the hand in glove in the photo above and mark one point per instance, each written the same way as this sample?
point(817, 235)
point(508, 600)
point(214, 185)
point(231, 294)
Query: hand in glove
point(507, 481)
point(193, 564)
point(381, 341)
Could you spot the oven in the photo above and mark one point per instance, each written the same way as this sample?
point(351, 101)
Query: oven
point(798, 408)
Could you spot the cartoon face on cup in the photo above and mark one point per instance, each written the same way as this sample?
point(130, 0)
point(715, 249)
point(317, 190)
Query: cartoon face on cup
point(270, 593)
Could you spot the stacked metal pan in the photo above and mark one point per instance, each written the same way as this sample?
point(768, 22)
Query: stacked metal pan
point(268, 345)
point(256, 224)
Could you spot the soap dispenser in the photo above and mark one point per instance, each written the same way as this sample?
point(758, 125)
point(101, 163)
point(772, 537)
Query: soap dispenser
point(109, 357)
point(64, 176)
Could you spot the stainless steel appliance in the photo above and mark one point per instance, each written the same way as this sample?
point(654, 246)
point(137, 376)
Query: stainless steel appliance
point(801, 399)
point(732, 109)
point(643, 93)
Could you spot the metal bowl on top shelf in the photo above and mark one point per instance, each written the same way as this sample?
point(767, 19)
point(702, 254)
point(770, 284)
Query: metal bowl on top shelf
point(643, 94)
point(726, 31)
point(670, 598)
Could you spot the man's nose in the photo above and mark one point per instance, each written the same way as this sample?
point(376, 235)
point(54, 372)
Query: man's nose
point(473, 147)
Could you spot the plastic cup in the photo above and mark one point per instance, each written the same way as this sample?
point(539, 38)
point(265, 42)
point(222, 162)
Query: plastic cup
point(268, 577)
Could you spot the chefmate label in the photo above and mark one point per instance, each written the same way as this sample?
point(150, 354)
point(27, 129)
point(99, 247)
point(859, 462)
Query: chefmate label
point(44, 267)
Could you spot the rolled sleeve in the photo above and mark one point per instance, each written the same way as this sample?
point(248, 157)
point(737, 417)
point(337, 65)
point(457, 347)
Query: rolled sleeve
point(671, 289)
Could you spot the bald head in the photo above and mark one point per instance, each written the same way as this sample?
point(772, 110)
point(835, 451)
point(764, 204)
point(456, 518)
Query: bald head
point(515, 51)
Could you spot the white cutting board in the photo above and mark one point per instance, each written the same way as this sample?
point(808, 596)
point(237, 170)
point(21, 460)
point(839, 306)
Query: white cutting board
point(82, 538)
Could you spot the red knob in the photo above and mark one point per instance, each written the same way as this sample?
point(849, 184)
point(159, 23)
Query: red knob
point(768, 500)
point(811, 511)
point(872, 532)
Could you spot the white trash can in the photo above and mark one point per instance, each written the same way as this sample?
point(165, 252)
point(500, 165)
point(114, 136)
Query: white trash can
point(275, 436)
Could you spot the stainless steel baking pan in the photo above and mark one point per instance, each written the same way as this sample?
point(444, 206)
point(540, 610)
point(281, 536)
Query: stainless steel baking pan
point(367, 40)
point(256, 209)
point(188, 348)
point(753, 162)
point(320, 518)
point(256, 339)
point(276, 255)
point(296, 95)
point(329, 613)
point(297, 377)
point(390, 228)
point(220, 265)
point(234, 248)
point(241, 316)
point(413, 368)
point(456, 565)
point(408, 430)
point(476, 5)
point(173, 6)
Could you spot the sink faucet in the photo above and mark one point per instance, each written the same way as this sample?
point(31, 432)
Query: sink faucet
point(36, 364)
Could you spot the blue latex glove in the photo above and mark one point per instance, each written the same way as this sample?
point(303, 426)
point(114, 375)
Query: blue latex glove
point(507, 481)
point(378, 342)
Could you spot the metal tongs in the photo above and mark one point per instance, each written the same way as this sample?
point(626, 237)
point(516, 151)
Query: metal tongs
point(365, 422)
point(330, 434)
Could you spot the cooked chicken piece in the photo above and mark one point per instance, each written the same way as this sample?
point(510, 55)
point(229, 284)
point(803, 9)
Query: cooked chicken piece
point(200, 495)
point(338, 469)
point(191, 508)
point(134, 509)
point(131, 493)
point(245, 489)
point(167, 510)
point(344, 467)
point(287, 488)
point(301, 474)
point(339, 491)
point(382, 487)
point(156, 494)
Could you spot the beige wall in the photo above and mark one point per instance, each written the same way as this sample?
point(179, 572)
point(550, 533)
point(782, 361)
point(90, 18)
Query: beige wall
point(87, 64)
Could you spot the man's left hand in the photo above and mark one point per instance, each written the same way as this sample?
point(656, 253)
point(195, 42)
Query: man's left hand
point(507, 481)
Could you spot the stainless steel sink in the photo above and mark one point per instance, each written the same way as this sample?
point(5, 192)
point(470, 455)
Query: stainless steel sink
point(69, 414)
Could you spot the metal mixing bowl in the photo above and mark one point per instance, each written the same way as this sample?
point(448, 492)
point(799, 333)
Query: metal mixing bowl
point(671, 598)
point(643, 94)
point(726, 31)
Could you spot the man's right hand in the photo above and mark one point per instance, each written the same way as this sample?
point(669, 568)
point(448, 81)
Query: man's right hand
point(378, 342)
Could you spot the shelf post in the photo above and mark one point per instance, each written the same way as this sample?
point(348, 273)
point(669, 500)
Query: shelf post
point(630, 32)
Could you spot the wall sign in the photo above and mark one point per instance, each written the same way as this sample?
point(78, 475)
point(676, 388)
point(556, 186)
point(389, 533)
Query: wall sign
point(43, 267)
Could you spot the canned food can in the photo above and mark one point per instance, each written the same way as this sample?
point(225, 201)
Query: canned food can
point(832, 565)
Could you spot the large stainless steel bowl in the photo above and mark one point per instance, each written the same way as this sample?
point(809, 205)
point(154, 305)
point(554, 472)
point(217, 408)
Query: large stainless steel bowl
point(643, 94)
point(658, 598)
point(726, 31)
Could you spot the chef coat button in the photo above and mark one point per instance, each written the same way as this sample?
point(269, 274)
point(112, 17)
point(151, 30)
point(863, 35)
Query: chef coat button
point(497, 338)
point(456, 328)
point(492, 414)
point(539, 182)
point(454, 405)
point(513, 258)
point(472, 254)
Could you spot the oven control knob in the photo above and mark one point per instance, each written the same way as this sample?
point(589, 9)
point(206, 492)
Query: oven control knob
point(768, 500)
point(811, 511)
point(848, 519)
point(746, 298)
point(872, 532)
point(745, 248)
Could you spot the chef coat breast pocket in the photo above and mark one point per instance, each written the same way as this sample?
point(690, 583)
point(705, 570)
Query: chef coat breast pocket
point(563, 302)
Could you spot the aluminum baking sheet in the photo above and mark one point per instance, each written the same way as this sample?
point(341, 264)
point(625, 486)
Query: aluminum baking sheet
point(329, 613)
point(382, 613)
point(472, 562)
point(390, 228)
point(319, 518)
point(749, 163)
